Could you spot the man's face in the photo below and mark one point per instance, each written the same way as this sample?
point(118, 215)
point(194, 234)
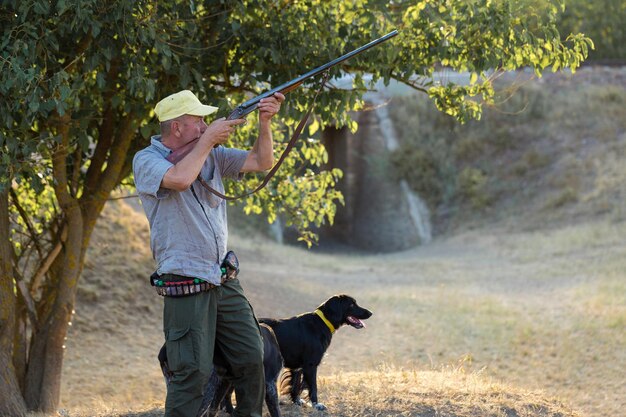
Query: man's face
point(189, 128)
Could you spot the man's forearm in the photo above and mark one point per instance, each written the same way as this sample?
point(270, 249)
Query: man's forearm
point(261, 156)
point(264, 147)
point(184, 173)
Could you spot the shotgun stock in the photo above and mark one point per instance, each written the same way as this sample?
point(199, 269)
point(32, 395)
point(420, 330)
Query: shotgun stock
point(249, 106)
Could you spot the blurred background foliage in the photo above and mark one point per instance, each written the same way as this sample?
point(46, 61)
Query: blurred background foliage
point(601, 20)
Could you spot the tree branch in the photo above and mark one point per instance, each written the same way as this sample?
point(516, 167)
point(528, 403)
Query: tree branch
point(75, 181)
point(47, 262)
point(26, 297)
point(59, 164)
point(24, 216)
point(413, 86)
point(93, 201)
point(105, 133)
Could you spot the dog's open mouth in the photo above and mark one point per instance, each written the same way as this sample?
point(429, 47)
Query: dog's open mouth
point(354, 322)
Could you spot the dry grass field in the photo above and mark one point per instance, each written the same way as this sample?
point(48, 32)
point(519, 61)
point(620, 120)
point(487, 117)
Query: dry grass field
point(484, 323)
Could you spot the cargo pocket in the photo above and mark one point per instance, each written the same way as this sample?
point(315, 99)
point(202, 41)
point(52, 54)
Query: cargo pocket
point(179, 346)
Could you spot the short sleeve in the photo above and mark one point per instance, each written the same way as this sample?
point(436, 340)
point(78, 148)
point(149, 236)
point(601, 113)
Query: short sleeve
point(230, 161)
point(149, 168)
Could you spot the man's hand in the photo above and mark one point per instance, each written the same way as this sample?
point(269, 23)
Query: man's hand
point(219, 130)
point(270, 106)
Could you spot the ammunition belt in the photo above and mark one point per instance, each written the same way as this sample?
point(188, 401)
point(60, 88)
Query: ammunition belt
point(170, 285)
point(182, 288)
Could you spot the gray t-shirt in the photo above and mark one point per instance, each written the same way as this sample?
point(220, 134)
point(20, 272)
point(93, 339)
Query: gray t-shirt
point(188, 229)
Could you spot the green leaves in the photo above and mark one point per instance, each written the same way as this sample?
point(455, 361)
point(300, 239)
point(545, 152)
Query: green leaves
point(462, 102)
point(483, 35)
point(309, 200)
point(81, 76)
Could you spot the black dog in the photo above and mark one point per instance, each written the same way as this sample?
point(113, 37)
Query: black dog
point(304, 339)
point(272, 365)
point(218, 389)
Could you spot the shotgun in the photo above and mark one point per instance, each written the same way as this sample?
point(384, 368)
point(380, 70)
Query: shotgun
point(249, 106)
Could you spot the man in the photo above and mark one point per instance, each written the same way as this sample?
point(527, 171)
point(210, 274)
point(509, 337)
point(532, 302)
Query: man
point(188, 238)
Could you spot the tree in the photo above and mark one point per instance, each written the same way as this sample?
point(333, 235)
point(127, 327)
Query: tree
point(78, 83)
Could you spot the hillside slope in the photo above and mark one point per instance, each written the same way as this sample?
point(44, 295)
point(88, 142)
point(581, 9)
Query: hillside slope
point(548, 153)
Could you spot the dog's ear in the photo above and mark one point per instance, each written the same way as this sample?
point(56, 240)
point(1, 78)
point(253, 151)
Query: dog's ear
point(329, 302)
point(332, 309)
point(336, 308)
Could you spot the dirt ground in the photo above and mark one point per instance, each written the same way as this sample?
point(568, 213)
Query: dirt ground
point(540, 311)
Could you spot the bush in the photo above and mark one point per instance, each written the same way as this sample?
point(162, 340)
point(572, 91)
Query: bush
point(530, 161)
point(566, 196)
point(472, 187)
point(421, 170)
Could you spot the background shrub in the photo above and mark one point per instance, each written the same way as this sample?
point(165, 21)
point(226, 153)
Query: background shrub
point(420, 168)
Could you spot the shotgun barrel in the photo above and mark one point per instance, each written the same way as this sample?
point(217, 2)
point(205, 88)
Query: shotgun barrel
point(250, 105)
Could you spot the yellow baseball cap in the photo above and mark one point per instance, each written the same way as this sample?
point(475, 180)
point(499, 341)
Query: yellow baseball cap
point(183, 102)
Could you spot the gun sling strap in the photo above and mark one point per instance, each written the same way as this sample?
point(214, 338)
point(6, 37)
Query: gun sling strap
point(290, 145)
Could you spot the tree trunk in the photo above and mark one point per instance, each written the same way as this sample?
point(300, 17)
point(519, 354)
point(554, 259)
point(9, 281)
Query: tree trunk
point(11, 402)
point(43, 377)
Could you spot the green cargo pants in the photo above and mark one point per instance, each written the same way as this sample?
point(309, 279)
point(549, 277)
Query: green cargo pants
point(193, 326)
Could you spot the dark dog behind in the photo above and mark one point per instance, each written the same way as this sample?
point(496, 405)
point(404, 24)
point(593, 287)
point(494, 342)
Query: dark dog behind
point(304, 339)
point(218, 389)
point(272, 365)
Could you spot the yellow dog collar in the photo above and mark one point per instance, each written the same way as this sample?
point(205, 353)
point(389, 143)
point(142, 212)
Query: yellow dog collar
point(325, 320)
